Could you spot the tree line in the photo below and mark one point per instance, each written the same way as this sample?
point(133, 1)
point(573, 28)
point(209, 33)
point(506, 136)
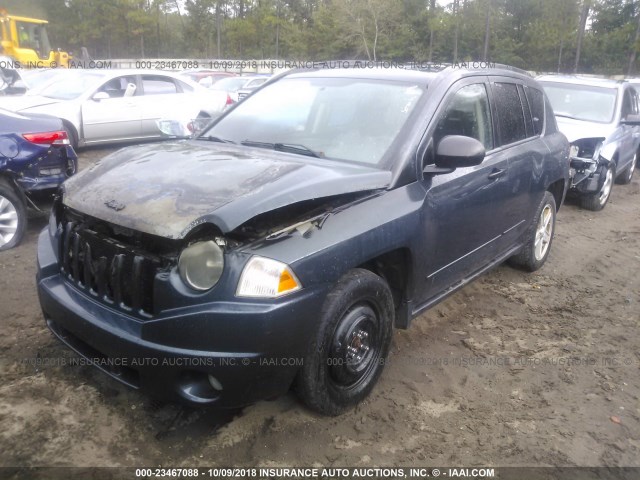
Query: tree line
point(585, 36)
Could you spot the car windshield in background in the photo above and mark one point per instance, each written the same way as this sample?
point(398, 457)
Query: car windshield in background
point(344, 119)
point(582, 102)
point(72, 87)
point(230, 84)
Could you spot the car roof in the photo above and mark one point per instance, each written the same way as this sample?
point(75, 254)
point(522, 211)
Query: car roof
point(578, 80)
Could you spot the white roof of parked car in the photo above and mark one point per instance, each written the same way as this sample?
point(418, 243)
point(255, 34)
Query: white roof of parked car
point(579, 80)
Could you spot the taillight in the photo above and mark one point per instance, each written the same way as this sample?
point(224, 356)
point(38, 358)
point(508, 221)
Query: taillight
point(48, 138)
point(229, 100)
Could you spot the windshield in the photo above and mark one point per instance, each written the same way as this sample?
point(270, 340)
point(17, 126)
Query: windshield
point(339, 118)
point(582, 102)
point(72, 87)
point(34, 36)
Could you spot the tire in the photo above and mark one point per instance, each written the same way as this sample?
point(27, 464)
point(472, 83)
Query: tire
point(13, 217)
point(539, 236)
point(349, 350)
point(626, 176)
point(597, 201)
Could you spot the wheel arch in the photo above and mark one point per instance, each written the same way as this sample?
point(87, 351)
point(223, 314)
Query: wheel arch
point(557, 189)
point(395, 268)
point(74, 131)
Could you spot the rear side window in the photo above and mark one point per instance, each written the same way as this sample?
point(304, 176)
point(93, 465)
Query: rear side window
point(510, 113)
point(536, 104)
point(157, 85)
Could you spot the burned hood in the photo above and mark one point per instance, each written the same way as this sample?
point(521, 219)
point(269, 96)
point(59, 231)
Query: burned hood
point(577, 129)
point(167, 189)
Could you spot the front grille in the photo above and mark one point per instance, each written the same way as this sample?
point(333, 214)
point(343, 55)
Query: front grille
point(108, 268)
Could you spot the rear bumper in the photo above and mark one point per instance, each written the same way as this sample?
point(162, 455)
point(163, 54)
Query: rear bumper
point(256, 348)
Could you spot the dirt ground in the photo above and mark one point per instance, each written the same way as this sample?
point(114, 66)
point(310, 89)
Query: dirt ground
point(516, 369)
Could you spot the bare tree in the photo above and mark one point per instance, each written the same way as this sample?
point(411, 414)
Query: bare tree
point(432, 20)
point(487, 31)
point(456, 7)
point(586, 4)
point(632, 56)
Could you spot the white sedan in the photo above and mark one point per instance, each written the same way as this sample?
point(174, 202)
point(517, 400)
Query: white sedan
point(105, 106)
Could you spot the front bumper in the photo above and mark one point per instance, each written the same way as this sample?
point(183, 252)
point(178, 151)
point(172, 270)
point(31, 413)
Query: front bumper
point(585, 174)
point(256, 348)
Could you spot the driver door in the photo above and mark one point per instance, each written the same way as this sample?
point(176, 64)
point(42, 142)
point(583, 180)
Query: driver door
point(463, 209)
point(115, 116)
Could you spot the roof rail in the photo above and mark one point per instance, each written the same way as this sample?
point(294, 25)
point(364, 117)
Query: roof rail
point(513, 69)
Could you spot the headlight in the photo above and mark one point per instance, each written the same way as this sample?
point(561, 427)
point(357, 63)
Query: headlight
point(266, 278)
point(201, 264)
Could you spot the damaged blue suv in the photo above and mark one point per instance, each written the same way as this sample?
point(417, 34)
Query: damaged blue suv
point(282, 245)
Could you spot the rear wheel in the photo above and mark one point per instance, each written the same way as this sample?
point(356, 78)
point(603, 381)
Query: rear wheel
point(13, 217)
point(627, 175)
point(539, 236)
point(351, 345)
point(597, 201)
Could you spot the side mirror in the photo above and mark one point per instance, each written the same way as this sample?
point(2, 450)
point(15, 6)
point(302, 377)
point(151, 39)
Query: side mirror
point(631, 119)
point(98, 96)
point(457, 151)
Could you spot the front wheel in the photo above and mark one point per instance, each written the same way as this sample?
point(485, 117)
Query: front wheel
point(597, 201)
point(13, 217)
point(350, 346)
point(539, 236)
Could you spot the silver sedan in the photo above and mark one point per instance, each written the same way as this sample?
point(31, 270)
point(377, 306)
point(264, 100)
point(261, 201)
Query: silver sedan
point(105, 106)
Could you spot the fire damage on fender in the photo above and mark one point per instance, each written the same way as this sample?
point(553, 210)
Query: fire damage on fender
point(304, 233)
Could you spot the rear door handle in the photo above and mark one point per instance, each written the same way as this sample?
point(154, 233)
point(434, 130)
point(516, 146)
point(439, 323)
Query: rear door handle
point(497, 172)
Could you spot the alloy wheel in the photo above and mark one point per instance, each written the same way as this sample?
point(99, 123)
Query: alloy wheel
point(544, 231)
point(8, 221)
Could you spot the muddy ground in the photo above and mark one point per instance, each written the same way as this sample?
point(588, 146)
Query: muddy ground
point(515, 369)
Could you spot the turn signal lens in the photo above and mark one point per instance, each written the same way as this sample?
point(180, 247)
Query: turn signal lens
point(266, 278)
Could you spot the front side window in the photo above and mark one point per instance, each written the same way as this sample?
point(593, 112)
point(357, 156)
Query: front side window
point(467, 114)
point(510, 113)
point(348, 119)
point(629, 104)
point(117, 87)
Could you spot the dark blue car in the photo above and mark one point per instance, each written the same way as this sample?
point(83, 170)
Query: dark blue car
point(282, 245)
point(35, 158)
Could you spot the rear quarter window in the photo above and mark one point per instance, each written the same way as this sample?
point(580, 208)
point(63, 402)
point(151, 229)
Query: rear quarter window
point(535, 98)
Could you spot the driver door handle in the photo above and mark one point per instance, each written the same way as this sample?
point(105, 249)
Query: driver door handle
point(496, 173)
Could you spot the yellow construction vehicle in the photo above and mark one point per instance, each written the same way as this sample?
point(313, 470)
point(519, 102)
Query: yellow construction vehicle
point(25, 42)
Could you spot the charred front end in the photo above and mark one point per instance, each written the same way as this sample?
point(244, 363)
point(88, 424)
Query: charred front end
point(129, 303)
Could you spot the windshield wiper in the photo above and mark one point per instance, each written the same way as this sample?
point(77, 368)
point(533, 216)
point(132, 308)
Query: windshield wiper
point(284, 147)
point(213, 138)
